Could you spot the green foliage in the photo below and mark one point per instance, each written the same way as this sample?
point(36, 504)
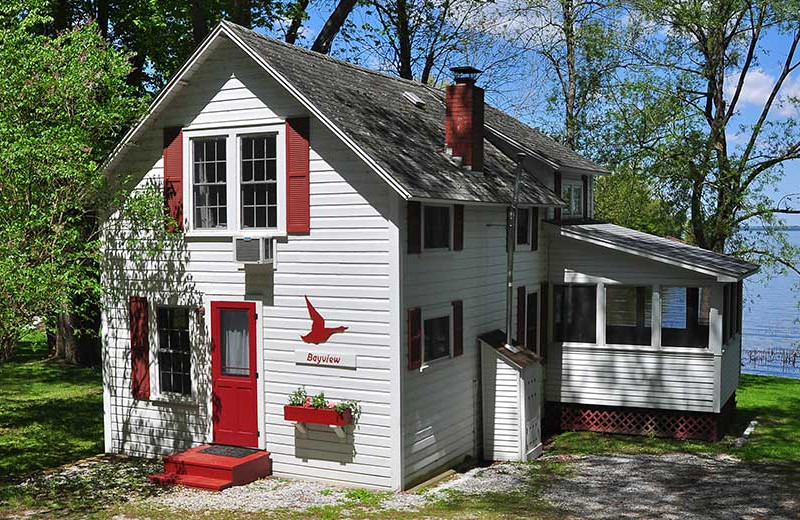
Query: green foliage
point(63, 104)
point(318, 401)
point(298, 397)
point(624, 198)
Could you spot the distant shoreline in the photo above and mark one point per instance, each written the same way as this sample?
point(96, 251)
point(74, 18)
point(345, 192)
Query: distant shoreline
point(764, 228)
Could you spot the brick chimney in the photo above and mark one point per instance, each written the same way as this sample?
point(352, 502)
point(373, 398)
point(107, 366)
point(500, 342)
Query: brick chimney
point(463, 127)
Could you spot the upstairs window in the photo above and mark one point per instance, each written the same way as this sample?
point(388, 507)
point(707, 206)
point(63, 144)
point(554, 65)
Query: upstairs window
point(209, 168)
point(523, 226)
point(575, 313)
point(572, 193)
point(436, 227)
point(259, 185)
point(174, 350)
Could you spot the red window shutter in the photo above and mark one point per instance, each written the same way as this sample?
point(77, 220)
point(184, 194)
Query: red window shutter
point(413, 223)
point(544, 301)
point(458, 328)
point(535, 230)
point(585, 179)
point(557, 189)
point(140, 348)
point(414, 338)
point(298, 212)
point(521, 315)
point(173, 175)
point(458, 227)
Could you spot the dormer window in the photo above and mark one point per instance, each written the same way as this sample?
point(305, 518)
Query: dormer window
point(572, 193)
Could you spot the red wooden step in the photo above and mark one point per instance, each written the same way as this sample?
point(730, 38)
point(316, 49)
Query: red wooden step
point(173, 479)
point(213, 470)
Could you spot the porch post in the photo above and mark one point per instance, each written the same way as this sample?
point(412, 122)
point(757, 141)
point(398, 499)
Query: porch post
point(600, 321)
point(655, 317)
point(715, 320)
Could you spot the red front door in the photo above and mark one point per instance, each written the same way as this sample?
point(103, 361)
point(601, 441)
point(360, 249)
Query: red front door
point(233, 373)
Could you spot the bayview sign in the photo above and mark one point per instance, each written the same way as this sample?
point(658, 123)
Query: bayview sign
point(324, 358)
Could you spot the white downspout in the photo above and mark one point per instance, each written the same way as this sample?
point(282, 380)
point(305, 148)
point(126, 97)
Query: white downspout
point(511, 234)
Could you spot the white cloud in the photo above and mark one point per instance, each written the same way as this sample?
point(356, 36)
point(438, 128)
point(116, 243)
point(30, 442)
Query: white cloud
point(757, 88)
point(755, 91)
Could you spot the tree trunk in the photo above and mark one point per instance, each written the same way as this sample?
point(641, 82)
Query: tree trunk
point(332, 26)
point(242, 14)
point(404, 41)
point(61, 16)
point(77, 338)
point(136, 75)
point(101, 13)
point(570, 124)
point(297, 21)
point(199, 22)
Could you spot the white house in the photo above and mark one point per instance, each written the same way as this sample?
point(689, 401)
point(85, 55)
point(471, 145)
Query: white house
point(345, 231)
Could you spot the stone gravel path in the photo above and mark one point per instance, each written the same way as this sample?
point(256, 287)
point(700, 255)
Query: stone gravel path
point(676, 486)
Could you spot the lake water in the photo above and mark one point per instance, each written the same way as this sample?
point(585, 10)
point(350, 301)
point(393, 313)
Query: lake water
point(770, 327)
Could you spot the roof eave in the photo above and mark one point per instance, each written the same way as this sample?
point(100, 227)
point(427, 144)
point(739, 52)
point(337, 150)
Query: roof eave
point(720, 275)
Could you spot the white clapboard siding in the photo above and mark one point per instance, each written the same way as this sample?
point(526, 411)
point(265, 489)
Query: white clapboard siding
point(731, 369)
point(501, 410)
point(343, 265)
point(441, 404)
point(605, 376)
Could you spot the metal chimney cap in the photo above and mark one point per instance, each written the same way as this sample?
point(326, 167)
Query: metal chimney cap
point(465, 73)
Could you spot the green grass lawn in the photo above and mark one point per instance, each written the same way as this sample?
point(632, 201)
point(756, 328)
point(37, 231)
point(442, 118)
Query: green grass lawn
point(772, 401)
point(50, 413)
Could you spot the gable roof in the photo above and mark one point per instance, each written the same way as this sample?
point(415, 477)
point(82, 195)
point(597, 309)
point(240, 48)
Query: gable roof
point(401, 142)
point(664, 250)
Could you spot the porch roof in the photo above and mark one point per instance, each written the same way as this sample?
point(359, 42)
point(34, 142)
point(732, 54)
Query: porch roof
point(666, 250)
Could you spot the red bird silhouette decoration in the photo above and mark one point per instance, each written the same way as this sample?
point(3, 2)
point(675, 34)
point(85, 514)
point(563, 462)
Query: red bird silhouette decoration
point(319, 332)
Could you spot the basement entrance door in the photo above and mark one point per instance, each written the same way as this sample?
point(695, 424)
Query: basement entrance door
point(233, 373)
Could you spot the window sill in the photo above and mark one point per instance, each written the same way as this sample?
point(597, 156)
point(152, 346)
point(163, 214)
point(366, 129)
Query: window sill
point(230, 234)
point(174, 400)
point(438, 361)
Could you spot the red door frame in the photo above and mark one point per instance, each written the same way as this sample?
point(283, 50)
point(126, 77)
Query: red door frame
point(234, 412)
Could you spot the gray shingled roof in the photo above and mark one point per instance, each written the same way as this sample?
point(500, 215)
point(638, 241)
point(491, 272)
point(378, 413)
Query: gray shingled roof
point(405, 140)
point(664, 249)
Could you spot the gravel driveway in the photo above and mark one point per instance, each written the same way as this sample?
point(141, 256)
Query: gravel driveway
point(676, 486)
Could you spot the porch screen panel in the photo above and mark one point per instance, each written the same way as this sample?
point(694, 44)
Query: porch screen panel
point(684, 316)
point(235, 342)
point(575, 313)
point(629, 314)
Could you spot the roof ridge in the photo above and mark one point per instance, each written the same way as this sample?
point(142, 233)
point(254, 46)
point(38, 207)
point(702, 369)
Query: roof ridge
point(326, 57)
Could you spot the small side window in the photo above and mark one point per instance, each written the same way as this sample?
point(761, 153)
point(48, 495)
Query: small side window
point(174, 350)
point(436, 332)
point(436, 227)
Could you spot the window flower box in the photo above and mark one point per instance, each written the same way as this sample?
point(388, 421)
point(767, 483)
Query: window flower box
point(329, 416)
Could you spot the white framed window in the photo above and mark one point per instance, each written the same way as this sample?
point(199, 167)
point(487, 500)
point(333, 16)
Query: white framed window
point(172, 369)
point(572, 193)
point(437, 227)
point(234, 181)
point(532, 322)
point(437, 334)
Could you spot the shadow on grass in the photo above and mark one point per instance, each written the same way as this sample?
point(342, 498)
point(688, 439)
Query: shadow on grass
point(50, 413)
